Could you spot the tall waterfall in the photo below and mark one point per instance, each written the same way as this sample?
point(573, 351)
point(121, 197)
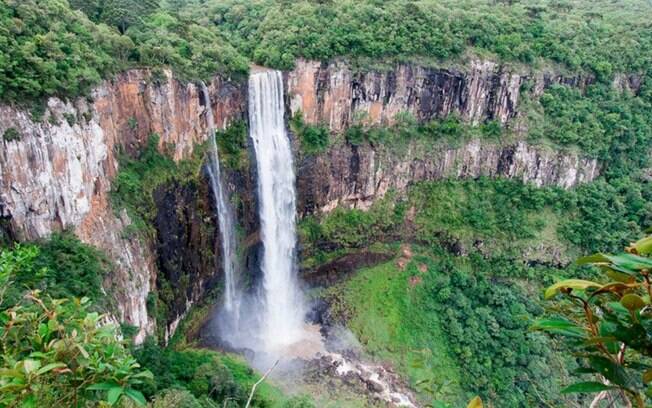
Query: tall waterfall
point(224, 216)
point(282, 301)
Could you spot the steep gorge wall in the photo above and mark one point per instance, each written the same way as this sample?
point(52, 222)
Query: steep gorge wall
point(58, 174)
point(355, 176)
point(337, 96)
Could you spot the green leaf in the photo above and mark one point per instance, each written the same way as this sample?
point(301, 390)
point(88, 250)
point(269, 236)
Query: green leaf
point(475, 403)
point(50, 367)
point(114, 395)
point(29, 402)
point(643, 246)
point(559, 326)
point(613, 372)
point(588, 386)
point(101, 386)
point(647, 376)
point(623, 261)
point(570, 284)
point(43, 330)
point(82, 350)
point(592, 259)
point(136, 396)
point(618, 275)
point(31, 365)
point(632, 302)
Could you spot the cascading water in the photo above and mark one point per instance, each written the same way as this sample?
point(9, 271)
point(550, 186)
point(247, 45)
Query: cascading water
point(272, 324)
point(226, 221)
point(283, 310)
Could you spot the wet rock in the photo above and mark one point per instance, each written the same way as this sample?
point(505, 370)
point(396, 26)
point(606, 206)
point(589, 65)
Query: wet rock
point(332, 272)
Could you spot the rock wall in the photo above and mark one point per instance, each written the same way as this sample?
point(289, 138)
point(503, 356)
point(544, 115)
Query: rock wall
point(336, 95)
point(58, 174)
point(355, 176)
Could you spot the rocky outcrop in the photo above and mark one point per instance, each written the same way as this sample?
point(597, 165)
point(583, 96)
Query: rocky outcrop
point(57, 173)
point(336, 95)
point(355, 176)
point(186, 244)
point(338, 269)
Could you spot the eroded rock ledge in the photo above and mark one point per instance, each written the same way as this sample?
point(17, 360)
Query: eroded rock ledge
point(355, 176)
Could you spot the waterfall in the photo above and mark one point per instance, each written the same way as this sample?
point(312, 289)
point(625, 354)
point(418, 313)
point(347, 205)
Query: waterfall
point(225, 218)
point(283, 308)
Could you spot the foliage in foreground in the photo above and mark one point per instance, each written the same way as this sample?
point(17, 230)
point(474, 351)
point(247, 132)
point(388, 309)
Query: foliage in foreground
point(65, 352)
point(55, 352)
point(608, 324)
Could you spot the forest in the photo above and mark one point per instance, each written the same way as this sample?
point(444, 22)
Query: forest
point(488, 287)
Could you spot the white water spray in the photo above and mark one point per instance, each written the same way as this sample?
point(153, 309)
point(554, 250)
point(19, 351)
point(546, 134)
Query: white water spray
point(282, 302)
point(225, 219)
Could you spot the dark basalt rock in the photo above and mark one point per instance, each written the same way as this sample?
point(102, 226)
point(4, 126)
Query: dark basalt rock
point(187, 241)
point(334, 271)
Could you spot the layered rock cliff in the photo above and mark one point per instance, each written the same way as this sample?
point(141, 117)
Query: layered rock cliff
point(57, 173)
point(337, 96)
point(355, 176)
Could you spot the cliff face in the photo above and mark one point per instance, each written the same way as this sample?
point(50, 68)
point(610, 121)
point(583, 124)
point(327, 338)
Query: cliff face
point(58, 174)
point(355, 176)
point(334, 95)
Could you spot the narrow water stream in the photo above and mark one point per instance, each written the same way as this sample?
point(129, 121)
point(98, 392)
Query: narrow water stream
point(226, 223)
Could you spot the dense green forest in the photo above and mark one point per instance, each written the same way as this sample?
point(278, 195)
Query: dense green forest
point(48, 47)
point(459, 309)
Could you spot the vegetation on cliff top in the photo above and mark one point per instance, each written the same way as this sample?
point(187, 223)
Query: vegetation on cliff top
point(48, 48)
point(602, 37)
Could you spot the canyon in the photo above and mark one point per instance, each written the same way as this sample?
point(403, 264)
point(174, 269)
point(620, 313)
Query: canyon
point(58, 174)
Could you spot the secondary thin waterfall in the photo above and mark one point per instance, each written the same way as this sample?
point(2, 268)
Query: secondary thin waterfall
point(282, 301)
point(224, 216)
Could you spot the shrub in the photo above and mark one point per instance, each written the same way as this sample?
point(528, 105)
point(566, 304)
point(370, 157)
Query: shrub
point(56, 352)
point(314, 139)
point(62, 266)
point(11, 135)
point(232, 143)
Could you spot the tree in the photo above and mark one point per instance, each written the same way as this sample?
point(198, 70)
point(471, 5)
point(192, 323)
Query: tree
point(608, 325)
point(57, 353)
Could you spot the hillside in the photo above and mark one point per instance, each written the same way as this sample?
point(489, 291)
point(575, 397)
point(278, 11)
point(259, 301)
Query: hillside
point(403, 178)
